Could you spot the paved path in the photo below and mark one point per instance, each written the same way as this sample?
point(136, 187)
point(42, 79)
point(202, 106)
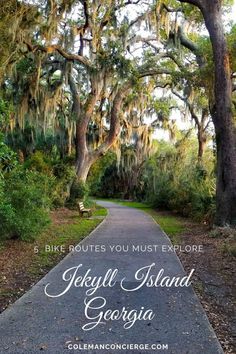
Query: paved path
point(37, 323)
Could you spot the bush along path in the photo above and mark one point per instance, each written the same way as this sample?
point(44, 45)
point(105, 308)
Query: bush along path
point(22, 263)
point(60, 311)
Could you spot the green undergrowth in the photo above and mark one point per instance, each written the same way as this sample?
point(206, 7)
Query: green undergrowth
point(64, 236)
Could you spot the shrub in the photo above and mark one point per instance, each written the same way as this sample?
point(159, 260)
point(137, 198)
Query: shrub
point(25, 203)
point(8, 159)
point(162, 192)
point(178, 182)
point(97, 172)
point(39, 162)
point(6, 212)
point(79, 190)
point(64, 174)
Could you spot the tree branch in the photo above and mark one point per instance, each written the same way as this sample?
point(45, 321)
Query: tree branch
point(129, 2)
point(187, 43)
point(153, 72)
point(162, 85)
point(114, 121)
point(198, 3)
point(139, 18)
point(168, 9)
point(190, 107)
point(75, 94)
point(56, 48)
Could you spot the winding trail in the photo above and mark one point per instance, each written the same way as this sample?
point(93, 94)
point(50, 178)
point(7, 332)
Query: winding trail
point(38, 323)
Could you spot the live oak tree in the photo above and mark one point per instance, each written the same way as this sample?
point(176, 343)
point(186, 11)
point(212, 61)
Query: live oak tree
point(197, 106)
point(17, 20)
point(191, 73)
point(83, 59)
point(221, 112)
point(220, 106)
point(195, 88)
point(135, 139)
point(70, 66)
point(191, 86)
point(92, 77)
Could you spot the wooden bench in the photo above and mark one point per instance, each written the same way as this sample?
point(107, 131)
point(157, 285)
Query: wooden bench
point(83, 210)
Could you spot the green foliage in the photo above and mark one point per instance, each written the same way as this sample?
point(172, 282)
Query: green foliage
point(64, 174)
point(97, 172)
point(39, 162)
point(25, 66)
point(8, 159)
point(6, 211)
point(36, 80)
point(17, 20)
point(61, 170)
point(176, 181)
point(109, 184)
point(229, 249)
point(231, 38)
point(25, 203)
point(5, 112)
point(79, 190)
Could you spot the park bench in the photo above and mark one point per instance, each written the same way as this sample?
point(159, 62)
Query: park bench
point(83, 210)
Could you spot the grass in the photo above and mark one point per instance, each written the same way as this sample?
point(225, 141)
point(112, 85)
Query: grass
point(62, 236)
point(24, 263)
point(5, 292)
point(170, 224)
point(100, 211)
point(228, 248)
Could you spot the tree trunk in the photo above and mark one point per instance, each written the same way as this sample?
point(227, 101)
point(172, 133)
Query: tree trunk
point(201, 144)
point(83, 165)
point(222, 118)
point(85, 158)
point(82, 155)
